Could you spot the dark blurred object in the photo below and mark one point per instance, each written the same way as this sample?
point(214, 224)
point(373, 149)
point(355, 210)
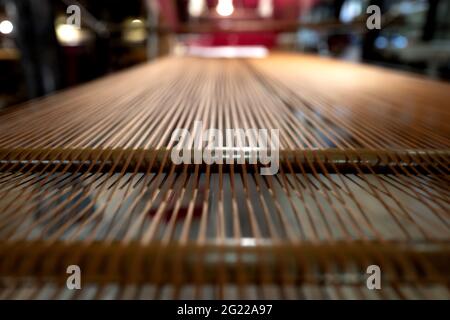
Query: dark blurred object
point(35, 38)
point(415, 36)
point(51, 54)
point(369, 52)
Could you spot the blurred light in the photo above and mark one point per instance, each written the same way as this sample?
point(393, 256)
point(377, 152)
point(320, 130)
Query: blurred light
point(407, 8)
point(6, 27)
point(228, 51)
point(265, 8)
point(225, 8)
point(350, 10)
point(179, 49)
point(68, 34)
point(381, 42)
point(400, 42)
point(134, 30)
point(196, 7)
point(248, 242)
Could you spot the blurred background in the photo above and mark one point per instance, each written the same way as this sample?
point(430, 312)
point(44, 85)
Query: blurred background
point(41, 53)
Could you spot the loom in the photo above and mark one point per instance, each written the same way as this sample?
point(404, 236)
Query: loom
point(86, 179)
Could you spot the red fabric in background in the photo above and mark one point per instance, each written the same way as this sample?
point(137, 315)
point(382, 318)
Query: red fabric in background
point(284, 10)
point(267, 39)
